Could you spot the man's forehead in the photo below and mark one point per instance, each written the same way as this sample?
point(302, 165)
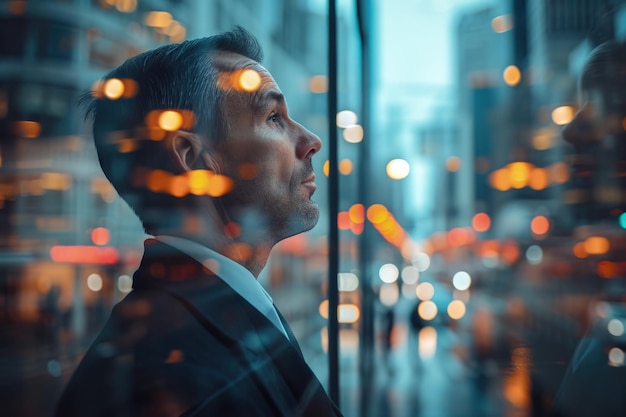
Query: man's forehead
point(232, 61)
point(235, 70)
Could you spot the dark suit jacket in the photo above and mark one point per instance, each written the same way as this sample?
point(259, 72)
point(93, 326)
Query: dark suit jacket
point(591, 387)
point(184, 343)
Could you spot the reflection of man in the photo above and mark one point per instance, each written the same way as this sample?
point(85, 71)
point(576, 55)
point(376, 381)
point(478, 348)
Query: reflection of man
point(197, 139)
point(595, 382)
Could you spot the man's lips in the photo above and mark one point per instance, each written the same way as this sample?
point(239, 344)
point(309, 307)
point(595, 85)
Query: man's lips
point(309, 183)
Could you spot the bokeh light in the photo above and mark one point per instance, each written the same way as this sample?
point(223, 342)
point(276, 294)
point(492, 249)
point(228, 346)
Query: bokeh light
point(597, 245)
point(427, 342)
point(616, 357)
point(348, 313)
point(27, 129)
point(421, 261)
point(346, 118)
point(388, 273)
point(461, 280)
point(425, 291)
point(318, 84)
point(377, 213)
point(249, 80)
point(427, 310)
point(158, 19)
point(398, 169)
point(501, 24)
point(453, 163)
point(616, 327)
point(512, 75)
point(410, 274)
point(540, 225)
point(389, 294)
point(534, 254)
point(481, 222)
point(345, 167)
point(456, 309)
point(347, 281)
point(124, 283)
point(113, 88)
point(357, 213)
point(353, 134)
point(100, 236)
point(170, 120)
point(94, 282)
point(563, 115)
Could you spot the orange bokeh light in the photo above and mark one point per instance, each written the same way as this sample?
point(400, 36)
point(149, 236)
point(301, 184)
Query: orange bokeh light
point(607, 269)
point(100, 236)
point(579, 250)
point(377, 213)
point(343, 220)
point(481, 222)
point(357, 213)
point(540, 225)
point(597, 245)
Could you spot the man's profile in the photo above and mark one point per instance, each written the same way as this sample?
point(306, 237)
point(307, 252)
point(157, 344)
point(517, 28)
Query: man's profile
point(201, 146)
point(595, 382)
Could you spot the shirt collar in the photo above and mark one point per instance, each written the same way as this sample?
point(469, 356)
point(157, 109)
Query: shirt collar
point(232, 273)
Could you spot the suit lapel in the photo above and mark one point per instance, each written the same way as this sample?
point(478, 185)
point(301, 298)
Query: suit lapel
point(292, 337)
point(276, 364)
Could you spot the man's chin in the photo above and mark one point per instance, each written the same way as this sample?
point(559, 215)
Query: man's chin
point(303, 221)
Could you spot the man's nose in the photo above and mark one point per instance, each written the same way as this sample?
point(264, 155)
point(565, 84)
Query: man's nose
point(308, 143)
point(584, 129)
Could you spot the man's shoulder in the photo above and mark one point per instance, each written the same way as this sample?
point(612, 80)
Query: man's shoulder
point(151, 350)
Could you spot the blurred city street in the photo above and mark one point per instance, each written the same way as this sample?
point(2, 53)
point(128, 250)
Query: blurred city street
point(444, 380)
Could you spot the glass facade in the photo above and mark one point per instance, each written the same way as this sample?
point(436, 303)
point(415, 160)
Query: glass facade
point(481, 196)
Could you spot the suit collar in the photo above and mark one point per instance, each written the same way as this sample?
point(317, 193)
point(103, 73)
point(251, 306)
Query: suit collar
point(232, 319)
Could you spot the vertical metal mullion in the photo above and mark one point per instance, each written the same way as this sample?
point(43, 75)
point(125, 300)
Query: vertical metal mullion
point(333, 209)
point(366, 329)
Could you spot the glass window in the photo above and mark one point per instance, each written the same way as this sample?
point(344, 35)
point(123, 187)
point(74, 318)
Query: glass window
point(57, 41)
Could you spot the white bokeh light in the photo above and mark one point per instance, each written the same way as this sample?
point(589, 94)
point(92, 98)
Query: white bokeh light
point(347, 281)
point(534, 254)
point(461, 280)
point(346, 118)
point(388, 273)
point(389, 294)
point(410, 274)
point(94, 282)
point(124, 283)
point(421, 261)
point(616, 327)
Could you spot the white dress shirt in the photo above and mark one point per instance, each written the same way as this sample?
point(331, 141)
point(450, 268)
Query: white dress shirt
point(235, 275)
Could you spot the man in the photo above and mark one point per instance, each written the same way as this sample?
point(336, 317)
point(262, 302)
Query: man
point(595, 381)
point(197, 139)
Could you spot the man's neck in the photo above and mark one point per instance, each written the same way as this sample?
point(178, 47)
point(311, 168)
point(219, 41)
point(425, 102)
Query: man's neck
point(252, 257)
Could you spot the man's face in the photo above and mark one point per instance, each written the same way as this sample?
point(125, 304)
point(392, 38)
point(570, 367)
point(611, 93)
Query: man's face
point(268, 155)
point(597, 155)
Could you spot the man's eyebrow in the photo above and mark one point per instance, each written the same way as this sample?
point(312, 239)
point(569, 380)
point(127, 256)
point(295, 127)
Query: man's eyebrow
point(264, 98)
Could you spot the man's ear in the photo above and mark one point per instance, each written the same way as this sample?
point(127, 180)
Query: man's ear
point(184, 149)
point(188, 152)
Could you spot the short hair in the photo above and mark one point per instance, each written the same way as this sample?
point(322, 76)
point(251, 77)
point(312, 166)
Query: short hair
point(606, 67)
point(172, 77)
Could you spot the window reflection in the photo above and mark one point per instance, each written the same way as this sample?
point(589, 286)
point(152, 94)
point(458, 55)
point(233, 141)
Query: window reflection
point(494, 227)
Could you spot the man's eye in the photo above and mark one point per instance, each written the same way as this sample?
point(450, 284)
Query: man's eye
point(274, 117)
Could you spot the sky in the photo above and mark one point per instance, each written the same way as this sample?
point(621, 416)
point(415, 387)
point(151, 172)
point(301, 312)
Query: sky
point(415, 40)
